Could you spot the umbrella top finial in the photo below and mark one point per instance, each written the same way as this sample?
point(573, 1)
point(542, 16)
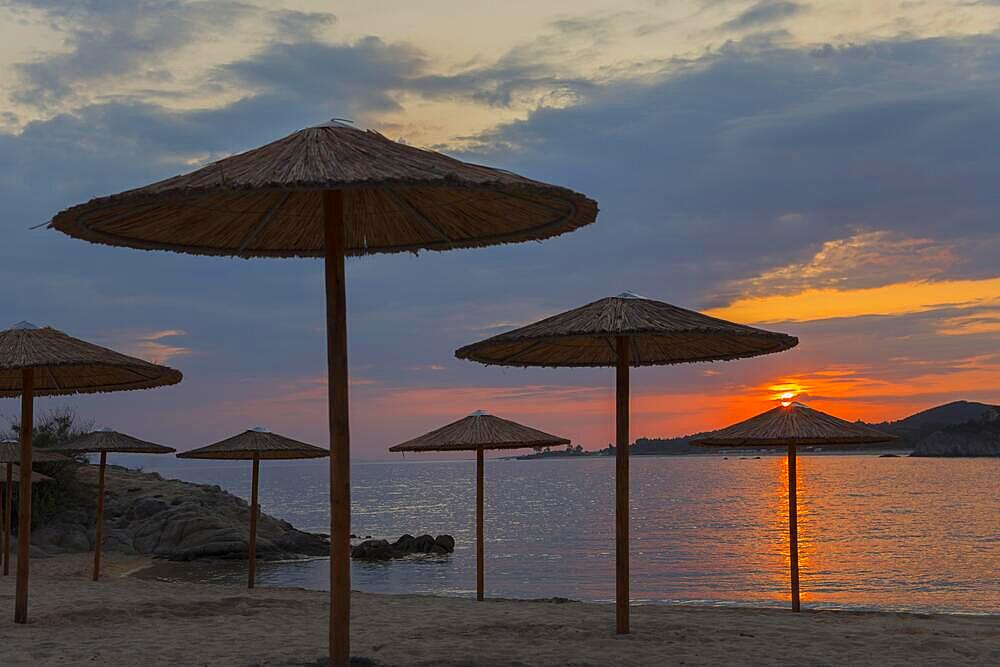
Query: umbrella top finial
point(24, 324)
point(338, 122)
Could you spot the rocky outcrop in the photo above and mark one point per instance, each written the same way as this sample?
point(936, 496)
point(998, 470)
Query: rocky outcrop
point(146, 514)
point(404, 546)
point(979, 437)
point(944, 443)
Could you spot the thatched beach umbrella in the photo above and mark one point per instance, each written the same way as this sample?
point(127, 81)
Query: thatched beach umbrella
point(623, 331)
point(788, 425)
point(41, 361)
point(104, 442)
point(10, 454)
point(331, 191)
point(478, 432)
point(255, 445)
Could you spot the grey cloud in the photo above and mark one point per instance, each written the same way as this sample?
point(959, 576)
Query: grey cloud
point(294, 26)
point(710, 161)
point(764, 12)
point(366, 75)
point(115, 38)
point(340, 77)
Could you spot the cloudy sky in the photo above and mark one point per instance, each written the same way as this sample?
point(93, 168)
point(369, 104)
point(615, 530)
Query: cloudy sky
point(827, 169)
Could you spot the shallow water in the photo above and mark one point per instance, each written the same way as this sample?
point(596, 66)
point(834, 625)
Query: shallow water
point(875, 533)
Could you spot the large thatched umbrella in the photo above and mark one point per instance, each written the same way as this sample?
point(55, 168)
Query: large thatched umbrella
point(478, 432)
point(624, 331)
point(255, 445)
point(104, 442)
point(10, 454)
point(38, 361)
point(788, 425)
point(331, 191)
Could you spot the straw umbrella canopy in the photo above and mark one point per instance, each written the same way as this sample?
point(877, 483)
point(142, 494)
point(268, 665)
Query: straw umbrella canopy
point(788, 425)
point(41, 361)
point(256, 445)
point(331, 191)
point(478, 432)
point(624, 331)
point(104, 442)
point(10, 454)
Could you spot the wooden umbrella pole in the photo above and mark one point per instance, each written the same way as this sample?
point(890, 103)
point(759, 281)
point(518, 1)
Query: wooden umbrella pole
point(480, 543)
point(340, 447)
point(24, 499)
point(8, 503)
point(252, 552)
point(793, 528)
point(621, 486)
point(100, 516)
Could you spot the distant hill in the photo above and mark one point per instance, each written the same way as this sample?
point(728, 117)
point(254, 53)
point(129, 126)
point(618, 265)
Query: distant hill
point(959, 426)
point(975, 437)
point(964, 424)
point(956, 412)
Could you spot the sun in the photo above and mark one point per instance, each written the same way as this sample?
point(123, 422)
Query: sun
point(786, 398)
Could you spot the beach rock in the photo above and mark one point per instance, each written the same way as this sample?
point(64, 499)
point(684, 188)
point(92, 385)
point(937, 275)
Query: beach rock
point(404, 546)
point(147, 507)
point(62, 538)
point(422, 544)
point(146, 514)
point(373, 550)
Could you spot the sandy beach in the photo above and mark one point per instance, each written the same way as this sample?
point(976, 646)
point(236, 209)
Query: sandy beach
point(124, 620)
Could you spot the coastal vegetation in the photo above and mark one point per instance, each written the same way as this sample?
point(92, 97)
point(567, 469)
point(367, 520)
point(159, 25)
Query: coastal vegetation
point(65, 491)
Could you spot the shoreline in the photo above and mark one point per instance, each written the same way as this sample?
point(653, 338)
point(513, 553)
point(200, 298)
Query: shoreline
point(74, 621)
point(193, 572)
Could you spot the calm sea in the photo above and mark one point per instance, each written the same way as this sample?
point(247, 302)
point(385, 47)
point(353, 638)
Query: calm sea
point(875, 533)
